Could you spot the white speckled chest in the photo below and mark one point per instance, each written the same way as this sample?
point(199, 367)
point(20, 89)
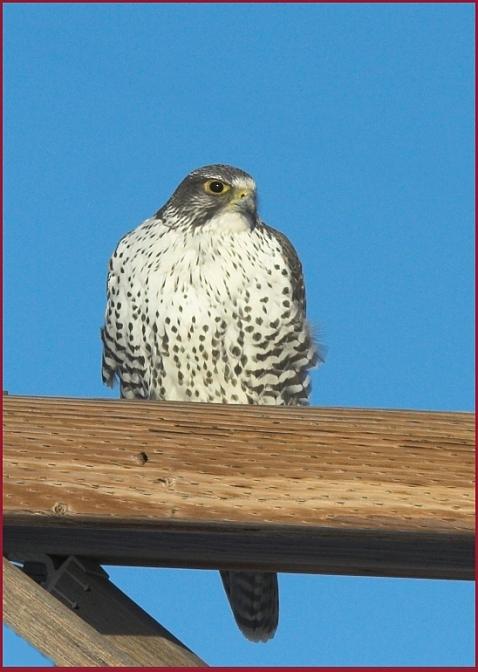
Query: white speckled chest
point(210, 315)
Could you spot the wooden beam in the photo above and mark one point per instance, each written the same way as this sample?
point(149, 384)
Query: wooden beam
point(349, 491)
point(106, 629)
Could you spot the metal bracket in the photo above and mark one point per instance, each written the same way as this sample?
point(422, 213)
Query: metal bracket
point(67, 578)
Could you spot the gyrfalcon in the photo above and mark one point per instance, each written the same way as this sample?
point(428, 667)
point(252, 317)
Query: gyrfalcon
point(205, 302)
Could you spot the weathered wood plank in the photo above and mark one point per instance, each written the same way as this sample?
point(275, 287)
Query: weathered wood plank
point(354, 491)
point(51, 627)
point(106, 630)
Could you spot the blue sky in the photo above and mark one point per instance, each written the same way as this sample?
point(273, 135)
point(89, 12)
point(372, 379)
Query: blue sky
point(357, 123)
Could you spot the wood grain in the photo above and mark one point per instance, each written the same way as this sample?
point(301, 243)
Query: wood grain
point(52, 628)
point(106, 629)
point(295, 489)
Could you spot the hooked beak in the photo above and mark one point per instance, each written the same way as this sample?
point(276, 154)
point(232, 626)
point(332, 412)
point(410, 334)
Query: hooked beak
point(244, 199)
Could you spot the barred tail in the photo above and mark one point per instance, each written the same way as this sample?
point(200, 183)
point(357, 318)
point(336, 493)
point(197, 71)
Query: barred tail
point(254, 600)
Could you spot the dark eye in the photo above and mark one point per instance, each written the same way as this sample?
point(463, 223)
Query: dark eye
point(216, 187)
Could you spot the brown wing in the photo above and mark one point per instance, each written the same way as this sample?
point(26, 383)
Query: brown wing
point(293, 261)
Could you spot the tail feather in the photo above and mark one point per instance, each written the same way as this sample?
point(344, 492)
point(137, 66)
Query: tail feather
point(254, 600)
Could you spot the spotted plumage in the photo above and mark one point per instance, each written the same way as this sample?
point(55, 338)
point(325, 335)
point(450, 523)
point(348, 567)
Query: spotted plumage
point(207, 303)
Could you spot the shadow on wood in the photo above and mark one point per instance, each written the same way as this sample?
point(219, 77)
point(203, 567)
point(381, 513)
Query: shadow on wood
point(100, 627)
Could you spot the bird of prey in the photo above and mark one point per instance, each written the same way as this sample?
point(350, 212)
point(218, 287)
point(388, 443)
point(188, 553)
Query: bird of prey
point(205, 302)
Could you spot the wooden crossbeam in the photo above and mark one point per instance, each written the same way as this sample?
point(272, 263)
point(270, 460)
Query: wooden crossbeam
point(104, 629)
point(344, 491)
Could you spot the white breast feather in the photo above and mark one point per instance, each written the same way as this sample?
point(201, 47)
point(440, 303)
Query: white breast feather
point(208, 283)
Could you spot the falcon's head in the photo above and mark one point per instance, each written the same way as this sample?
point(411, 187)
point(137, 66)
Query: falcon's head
point(214, 198)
